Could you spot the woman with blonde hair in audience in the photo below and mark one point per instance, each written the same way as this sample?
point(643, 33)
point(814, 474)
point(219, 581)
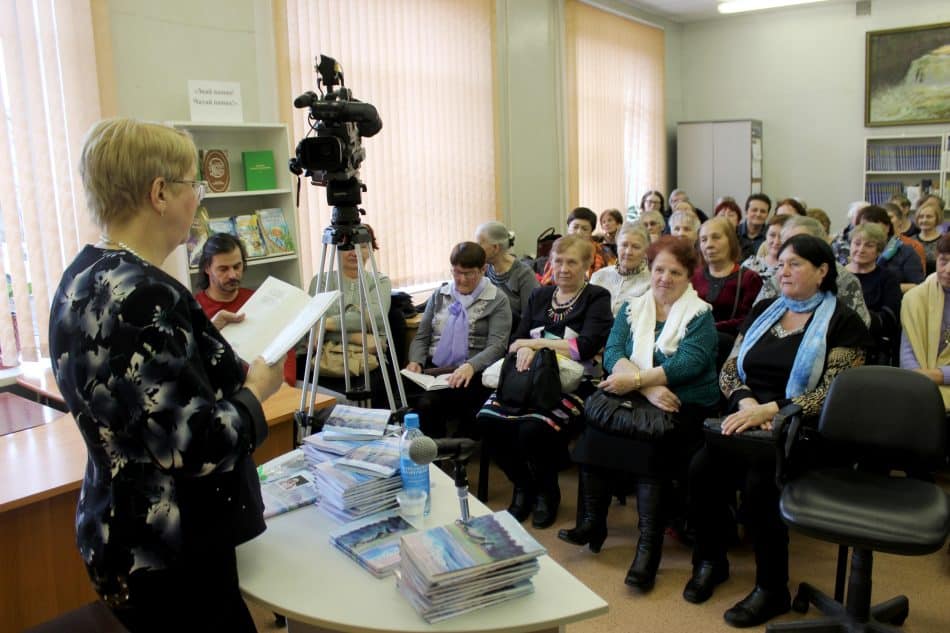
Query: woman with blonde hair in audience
point(789, 351)
point(654, 223)
point(928, 219)
point(895, 256)
point(661, 356)
point(728, 287)
point(572, 318)
point(630, 277)
point(879, 285)
point(685, 225)
point(925, 318)
point(765, 262)
point(505, 270)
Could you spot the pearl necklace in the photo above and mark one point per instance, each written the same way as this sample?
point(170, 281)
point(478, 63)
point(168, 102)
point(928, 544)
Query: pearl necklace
point(105, 239)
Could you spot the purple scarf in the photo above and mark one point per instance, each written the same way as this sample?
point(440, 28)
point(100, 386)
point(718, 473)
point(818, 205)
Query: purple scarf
point(453, 346)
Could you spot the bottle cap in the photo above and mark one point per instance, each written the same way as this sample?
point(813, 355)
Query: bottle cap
point(411, 421)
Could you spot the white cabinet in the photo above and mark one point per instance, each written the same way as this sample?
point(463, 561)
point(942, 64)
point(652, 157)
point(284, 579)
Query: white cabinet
point(236, 138)
point(718, 158)
point(909, 165)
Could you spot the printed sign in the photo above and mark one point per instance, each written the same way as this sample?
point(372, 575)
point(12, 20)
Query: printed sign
point(215, 101)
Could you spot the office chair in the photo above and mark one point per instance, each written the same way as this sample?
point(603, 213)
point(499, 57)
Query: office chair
point(874, 419)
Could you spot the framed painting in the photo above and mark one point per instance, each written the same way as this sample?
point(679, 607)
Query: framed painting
point(907, 76)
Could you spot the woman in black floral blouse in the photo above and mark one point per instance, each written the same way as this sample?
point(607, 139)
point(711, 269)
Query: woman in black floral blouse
point(168, 412)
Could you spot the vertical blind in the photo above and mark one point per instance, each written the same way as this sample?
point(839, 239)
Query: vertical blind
point(49, 97)
point(616, 135)
point(430, 173)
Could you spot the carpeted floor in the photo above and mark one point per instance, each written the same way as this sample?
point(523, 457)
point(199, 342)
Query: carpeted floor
point(924, 579)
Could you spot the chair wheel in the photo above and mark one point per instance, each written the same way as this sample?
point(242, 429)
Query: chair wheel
point(800, 604)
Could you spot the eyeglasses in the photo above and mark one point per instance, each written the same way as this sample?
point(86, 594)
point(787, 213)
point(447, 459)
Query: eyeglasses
point(465, 274)
point(200, 187)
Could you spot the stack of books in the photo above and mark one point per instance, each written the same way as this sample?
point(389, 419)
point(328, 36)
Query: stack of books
point(347, 494)
point(457, 568)
point(373, 542)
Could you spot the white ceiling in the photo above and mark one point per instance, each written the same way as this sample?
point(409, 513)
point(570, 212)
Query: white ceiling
point(690, 10)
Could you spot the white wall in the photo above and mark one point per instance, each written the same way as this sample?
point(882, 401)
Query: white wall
point(801, 71)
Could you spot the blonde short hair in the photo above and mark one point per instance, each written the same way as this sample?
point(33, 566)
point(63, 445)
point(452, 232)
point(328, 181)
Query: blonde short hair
point(634, 228)
point(871, 232)
point(585, 248)
point(121, 158)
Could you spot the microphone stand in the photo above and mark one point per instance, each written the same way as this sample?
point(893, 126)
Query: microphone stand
point(461, 488)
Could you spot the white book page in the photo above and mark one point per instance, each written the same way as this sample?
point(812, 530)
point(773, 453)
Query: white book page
point(276, 316)
point(426, 381)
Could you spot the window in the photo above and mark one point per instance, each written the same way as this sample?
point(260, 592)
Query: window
point(430, 173)
point(617, 138)
point(49, 97)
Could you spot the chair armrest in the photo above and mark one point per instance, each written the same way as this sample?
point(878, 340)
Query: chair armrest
point(785, 427)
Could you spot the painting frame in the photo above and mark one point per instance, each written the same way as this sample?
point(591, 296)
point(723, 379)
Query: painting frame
point(896, 91)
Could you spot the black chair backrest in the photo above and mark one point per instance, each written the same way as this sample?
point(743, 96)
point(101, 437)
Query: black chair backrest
point(887, 414)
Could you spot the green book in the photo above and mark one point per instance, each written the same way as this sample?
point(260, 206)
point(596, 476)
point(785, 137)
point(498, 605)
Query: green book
point(259, 170)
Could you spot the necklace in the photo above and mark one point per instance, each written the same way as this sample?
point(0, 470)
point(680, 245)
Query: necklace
point(558, 310)
point(105, 239)
point(633, 271)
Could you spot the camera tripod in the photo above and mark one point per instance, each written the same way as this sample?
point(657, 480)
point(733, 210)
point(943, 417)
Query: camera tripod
point(342, 236)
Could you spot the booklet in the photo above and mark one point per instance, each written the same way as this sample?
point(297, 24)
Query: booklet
point(288, 492)
point(427, 382)
point(277, 316)
point(355, 423)
point(373, 542)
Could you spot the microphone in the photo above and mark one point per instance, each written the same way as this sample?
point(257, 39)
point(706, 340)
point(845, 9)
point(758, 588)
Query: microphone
point(425, 450)
point(306, 99)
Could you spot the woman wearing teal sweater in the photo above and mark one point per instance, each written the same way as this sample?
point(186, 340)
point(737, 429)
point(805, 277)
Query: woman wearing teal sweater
point(661, 355)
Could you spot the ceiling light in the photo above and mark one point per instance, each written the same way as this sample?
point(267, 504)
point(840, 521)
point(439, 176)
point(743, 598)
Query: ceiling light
point(739, 6)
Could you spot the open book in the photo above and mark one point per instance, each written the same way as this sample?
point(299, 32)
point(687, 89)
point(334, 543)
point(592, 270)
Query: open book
point(427, 382)
point(277, 316)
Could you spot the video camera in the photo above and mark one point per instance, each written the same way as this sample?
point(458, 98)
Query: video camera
point(332, 152)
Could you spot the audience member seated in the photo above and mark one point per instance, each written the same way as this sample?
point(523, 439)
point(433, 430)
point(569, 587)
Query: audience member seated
point(610, 221)
point(572, 318)
point(463, 330)
point(505, 270)
point(661, 354)
point(729, 210)
point(881, 290)
point(788, 352)
point(654, 223)
point(630, 277)
point(842, 242)
point(903, 224)
point(928, 218)
point(849, 288)
point(821, 217)
point(896, 257)
point(766, 262)
point(676, 197)
point(650, 201)
point(581, 221)
point(377, 309)
point(685, 224)
point(752, 229)
point(894, 213)
point(221, 266)
point(925, 318)
point(790, 206)
point(720, 281)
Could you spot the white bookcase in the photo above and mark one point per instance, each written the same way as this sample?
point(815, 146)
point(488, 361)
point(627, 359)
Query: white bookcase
point(235, 138)
point(718, 158)
point(892, 164)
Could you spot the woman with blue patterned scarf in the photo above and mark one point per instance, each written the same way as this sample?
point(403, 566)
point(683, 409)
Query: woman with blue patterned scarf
point(788, 352)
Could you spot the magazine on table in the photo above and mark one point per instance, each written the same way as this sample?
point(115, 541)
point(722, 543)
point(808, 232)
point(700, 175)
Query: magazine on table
point(373, 542)
point(355, 423)
point(288, 492)
point(379, 457)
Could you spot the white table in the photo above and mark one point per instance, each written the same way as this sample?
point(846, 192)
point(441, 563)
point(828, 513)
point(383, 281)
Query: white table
point(293, 570)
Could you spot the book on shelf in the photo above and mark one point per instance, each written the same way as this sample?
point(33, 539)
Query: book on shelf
point(276, 233)
point(373, 542)
point(215, 169)
point(453, 569)
point(355, 423)
point(259, 170)
point(427, 381)
point(249, 233)
point(277, 316)
point(287, 483)
point(222, 225)
point(197, 236)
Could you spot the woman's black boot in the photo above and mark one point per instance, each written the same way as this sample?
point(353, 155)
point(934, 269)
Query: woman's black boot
point(548, 500)
point(522, 502)
point(593, 500)
point(642, 573)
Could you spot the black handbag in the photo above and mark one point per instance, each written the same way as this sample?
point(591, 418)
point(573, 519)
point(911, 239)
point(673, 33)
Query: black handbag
point(789, 441)
point(545, 241)
point(629, 415)
point(537, 388)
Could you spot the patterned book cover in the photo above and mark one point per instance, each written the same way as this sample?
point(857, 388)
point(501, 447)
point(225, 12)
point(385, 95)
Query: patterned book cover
point(275, 232)
point(249, 231)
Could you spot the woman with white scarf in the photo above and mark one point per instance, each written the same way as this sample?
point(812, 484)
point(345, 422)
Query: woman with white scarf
point(788, 351)
point(661, 356)
point(464, 329)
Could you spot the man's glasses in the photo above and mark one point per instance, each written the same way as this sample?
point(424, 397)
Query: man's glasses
point(465, 274)
point(200, 187)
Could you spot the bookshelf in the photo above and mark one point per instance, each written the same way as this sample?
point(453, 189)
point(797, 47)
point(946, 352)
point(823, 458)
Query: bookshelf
point(906, 164)
point(236, 138)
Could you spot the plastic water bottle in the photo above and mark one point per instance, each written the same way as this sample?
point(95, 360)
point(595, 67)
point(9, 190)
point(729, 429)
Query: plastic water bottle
point(413, 475)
